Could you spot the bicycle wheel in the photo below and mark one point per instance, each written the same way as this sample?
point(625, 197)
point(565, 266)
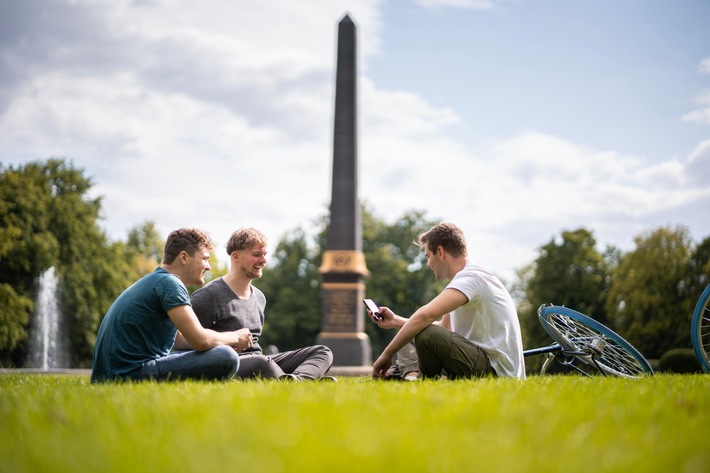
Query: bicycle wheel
point(700, 329)
point(595, 345)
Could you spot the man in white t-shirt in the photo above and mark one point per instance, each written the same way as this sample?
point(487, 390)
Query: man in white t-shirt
point(470, 329)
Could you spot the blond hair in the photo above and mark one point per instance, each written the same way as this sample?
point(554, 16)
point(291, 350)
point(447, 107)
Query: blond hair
point(245, 238)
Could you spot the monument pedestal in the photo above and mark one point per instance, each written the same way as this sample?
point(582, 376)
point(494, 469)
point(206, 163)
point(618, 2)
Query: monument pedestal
point(349, 349)
point(343, 317)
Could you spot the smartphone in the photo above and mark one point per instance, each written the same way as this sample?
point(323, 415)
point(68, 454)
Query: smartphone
point(372, 308)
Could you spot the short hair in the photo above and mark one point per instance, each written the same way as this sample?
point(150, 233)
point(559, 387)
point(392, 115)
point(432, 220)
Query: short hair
point(445, 235)
point(189, 240)
point(245, 238)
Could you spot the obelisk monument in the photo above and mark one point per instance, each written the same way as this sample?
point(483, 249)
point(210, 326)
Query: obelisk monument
point(344, 268)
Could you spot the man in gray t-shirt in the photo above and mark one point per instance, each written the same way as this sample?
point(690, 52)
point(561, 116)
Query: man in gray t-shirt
point(232, 303)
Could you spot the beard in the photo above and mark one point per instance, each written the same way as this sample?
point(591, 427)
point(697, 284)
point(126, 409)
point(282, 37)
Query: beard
point(253, 273)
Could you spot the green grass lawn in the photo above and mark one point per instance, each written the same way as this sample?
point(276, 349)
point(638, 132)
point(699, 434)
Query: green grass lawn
point(551, 423)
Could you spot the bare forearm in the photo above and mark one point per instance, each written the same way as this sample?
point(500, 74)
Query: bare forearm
point(209, 339)
point(408, 330)
point(181, 343)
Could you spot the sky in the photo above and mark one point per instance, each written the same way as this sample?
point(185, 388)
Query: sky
point(515, 120)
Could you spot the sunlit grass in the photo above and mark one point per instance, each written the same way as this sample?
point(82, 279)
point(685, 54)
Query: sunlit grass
point(553, 423)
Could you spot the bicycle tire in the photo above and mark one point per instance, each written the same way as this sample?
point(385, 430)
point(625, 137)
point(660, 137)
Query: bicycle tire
point(593, 343)
point(700, 329)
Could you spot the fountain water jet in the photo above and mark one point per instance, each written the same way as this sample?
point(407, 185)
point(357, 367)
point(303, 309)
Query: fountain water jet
point(47, 347)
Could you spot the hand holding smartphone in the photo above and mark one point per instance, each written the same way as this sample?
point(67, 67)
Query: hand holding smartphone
point(372, 308)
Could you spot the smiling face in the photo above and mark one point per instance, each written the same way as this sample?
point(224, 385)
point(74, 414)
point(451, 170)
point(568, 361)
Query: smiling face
point(196, 266)
point(251, 261)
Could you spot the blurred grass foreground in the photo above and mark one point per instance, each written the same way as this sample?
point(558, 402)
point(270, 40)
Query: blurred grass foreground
point(59, 423)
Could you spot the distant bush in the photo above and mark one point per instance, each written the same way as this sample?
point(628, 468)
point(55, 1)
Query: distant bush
point(679, 360)
point(655, 364)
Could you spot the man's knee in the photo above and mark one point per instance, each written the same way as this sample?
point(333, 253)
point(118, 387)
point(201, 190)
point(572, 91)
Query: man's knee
point(325, 353)
point(429, 335)
point(262, 366)
point(227, 357)
point(257, 365)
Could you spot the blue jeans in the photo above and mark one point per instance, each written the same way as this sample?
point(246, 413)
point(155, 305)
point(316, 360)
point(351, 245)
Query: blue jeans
point(218, 363)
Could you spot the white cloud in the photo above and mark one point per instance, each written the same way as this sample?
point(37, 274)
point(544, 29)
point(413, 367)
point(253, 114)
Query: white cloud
point(704, 66)
point(401, 113)
point(697, 171)
point(700, 115)
point(513, 194)
point(219, 115)
point(179, 111)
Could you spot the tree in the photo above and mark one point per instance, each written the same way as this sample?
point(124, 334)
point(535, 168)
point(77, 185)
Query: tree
point(569, 272)
point(646, 304)
point(14, 316)
point(47, 219)
point(144, 248)
point(698, 274)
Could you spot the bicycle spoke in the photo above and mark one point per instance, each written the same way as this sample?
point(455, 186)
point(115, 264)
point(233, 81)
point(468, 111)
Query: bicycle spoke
point(598, 348)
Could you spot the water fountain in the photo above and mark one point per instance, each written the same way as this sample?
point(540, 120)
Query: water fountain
point(47, 345)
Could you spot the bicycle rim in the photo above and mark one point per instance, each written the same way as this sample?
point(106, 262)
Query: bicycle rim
point(593, 343)
point(700, 329)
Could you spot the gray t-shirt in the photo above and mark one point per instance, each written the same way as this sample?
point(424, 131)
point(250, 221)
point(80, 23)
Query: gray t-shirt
point(219, 308)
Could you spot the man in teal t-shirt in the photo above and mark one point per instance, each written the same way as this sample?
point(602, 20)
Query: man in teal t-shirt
point(138, 332)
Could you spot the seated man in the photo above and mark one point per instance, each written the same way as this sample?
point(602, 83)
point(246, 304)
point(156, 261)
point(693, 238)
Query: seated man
point(478, 332)
point(232, 302)
point(139, 329)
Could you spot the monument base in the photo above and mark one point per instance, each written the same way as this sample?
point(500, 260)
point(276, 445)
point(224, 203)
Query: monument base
point(349, 349)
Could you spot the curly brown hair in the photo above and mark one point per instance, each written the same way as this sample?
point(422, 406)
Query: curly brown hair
point(188, 240)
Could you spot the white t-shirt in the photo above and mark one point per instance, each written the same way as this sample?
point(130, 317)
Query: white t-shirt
point(489, 319)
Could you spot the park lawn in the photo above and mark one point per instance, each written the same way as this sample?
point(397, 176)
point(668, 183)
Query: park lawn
point(553, 423)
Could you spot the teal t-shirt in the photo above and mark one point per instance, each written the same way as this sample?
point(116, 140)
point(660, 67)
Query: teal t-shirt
point(137, 328)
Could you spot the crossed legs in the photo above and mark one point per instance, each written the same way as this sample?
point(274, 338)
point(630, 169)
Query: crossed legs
point(442, 352)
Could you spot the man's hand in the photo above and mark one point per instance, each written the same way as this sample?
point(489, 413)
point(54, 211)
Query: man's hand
point(385, 318)
point(381, 366)
point(244, 339)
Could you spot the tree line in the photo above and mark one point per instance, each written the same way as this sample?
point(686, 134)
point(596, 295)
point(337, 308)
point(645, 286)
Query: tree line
point(48, 219)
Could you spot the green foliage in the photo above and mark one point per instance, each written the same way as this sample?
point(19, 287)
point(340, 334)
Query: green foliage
point(679, 360)
point(15, 313)
point(698, 273)
point(646, 303)
point(552, 424)
point(144, 248)
point(569, 272)
point(28, 245)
